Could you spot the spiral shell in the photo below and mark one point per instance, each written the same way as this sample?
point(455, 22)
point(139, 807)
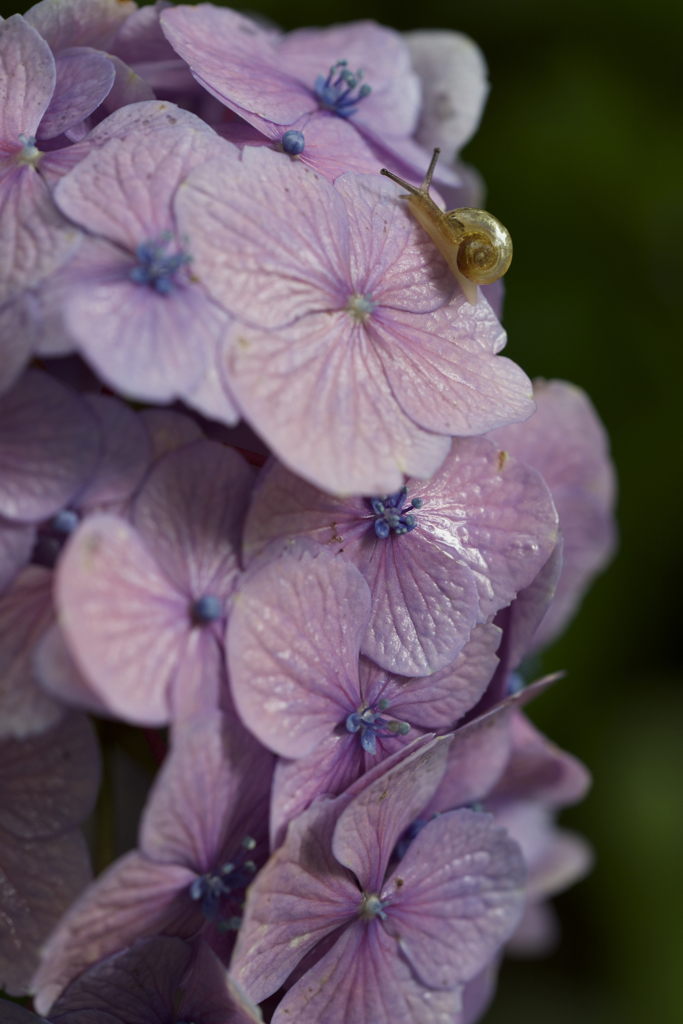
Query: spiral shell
point(484, 245)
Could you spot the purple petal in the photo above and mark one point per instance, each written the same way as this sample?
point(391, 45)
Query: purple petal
point(34, 236)
point(364, 980)
point(445, 371)
point(49, 782)
point(16, 545)
point(215, 776)
point(134, 898)
point(126, 625)
point(293, 641)
point(529, 608)
point(83, 81)
point(333, 146)
point(40, 881)
point(49, 444)
point(200, 684)
point(299, 897)
point(79, 22)
point(57, 673)
point(189, 513)
point(19, 334)
point(268, 236)
point(455, 86)
point(27, 81)
point(460, 897)
point(349, 435)
point(369, 828)
point(168, 429)
point(25, 613)
point(424, 606)
point(568, 444)
point(128, 87)
point(126, 453)
point(236, 61)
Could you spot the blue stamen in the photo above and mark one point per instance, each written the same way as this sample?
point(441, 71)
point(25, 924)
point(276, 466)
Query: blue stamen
point(227, 880)
point(30, 154)
point(338, 95)
point(392, 514)
point(371, 725)
point(207, 609)
point(293, 142)
point(157, 268)
point(372, 906)
point(360, 307)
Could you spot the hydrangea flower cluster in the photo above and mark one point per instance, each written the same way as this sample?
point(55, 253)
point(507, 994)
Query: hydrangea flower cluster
point(354, 818)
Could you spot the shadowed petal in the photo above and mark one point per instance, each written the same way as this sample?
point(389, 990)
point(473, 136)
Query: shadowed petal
point(83, 81)
point(19, 334)
point(79, 22)
point(16, 545)
point(168, 429)
point(125, 456)
point(125, 624)
point(58, 673)
point(49, 444)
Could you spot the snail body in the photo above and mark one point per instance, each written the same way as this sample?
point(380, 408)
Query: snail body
point(476, 246)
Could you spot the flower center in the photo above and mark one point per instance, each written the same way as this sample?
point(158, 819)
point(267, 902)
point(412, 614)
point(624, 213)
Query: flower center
point(30, 154)
point(156, 267)
point(227, 882)
point(293, 142)
point(360, 307)
point(372, 906)
point(341, 91)
point(206, 609)
point(370, 724)
point(392, 514)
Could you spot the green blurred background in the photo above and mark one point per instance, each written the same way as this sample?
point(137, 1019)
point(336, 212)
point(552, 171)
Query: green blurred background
point(581, 149)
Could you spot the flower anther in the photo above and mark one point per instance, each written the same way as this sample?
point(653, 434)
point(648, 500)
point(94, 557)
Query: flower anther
point(392, 514)
point(339, 94)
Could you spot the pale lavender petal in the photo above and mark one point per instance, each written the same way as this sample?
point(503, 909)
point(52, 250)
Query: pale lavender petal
point(300, 896)
point(215, 771)
point(353, 438)
point(79, 22)
point(126, 625)
point(392, 258)
point(58, 673)
point(49, 782)
point(361, 979)
point(16, 545)
point(25, 613)
point(190, 512)
point(39, 882)
point(445, 371)
point(83, 81)
point(211, 396)
point(128, 87)
point(124, 188)
point(34, 236)
point(168, 429)
point(455, 86)
point(236, 61)
point(478, 993)
point(439, 700)
point(495, 513)
point(49, 444)
point(141, 39)
point(200, 683)
point(530, 607)
point(537, 934)
point(19, 334)
point(460, 896)
point(126, 453)
point(369, 828)
point(268, 236)
point(568, 444)
point(27, 81)
point(424, 605)
point(380, 52)
point(333, 146)
point(133, 899)
point(293, 640)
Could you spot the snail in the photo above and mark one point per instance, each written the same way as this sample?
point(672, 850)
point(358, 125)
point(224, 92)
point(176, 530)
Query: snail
point(476, 246)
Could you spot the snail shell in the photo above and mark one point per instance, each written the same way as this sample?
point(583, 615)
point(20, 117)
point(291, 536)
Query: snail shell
point(476, 246)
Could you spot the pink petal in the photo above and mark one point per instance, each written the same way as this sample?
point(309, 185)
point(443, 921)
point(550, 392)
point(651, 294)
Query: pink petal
point(460, 897)
point(40, 881)
point(58, 674)
point(25, 613)
point(293, 640)
point(268, 236)
point(83, 81)
point(134, 898)
point(49, 782)
point(125, 456)
point(369, 828)
point(349, 435)
point(126, 625)
point(128, 87)
point(27, 81)
point(79, 22)
point(49, 444)
point(236, 61)
point(189, 513)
